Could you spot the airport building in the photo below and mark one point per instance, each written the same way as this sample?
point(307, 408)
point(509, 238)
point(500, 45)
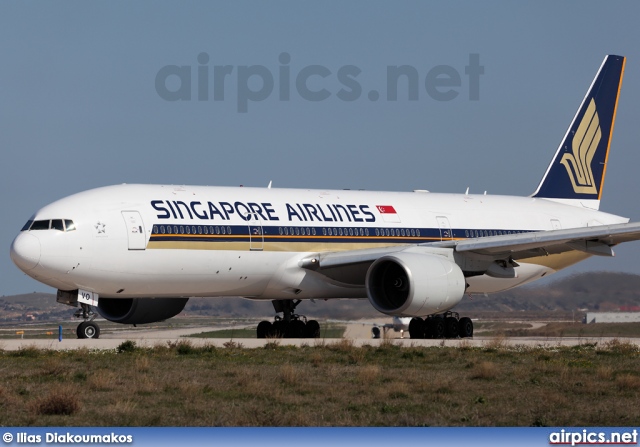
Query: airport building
point(612, 317)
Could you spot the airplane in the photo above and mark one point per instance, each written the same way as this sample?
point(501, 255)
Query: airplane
point(397, 324)
point(136, 253)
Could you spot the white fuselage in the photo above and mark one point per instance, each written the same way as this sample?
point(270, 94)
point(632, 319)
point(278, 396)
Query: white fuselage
point(167, 241)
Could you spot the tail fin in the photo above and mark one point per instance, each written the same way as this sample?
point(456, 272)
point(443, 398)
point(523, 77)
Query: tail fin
point(576, 174)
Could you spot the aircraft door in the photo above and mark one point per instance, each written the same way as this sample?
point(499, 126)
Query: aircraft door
point(445, 228)
point(256, 236)
point(135, 230)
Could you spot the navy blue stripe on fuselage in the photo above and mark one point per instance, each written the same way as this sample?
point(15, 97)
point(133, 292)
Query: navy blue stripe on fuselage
point(242, 233)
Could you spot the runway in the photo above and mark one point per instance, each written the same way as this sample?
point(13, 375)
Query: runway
point(356, 333)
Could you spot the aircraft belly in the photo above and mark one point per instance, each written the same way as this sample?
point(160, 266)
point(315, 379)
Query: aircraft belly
point(183, 273)
point(532, 269)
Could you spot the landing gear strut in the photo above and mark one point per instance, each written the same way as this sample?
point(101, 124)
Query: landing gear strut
point(290, 324)
point(446, 325)
point(88, 328)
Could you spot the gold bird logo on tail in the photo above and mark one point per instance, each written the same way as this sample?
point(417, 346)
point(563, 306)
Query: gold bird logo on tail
point(584, 145)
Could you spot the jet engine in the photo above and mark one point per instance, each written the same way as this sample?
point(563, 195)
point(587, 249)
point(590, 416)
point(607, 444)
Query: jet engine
point(414, 284)
point(140, 310)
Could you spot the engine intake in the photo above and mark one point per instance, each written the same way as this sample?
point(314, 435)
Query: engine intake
point(140, 310)
point(414, 284)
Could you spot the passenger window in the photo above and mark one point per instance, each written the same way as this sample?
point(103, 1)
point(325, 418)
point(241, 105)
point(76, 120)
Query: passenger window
point(162, 229)
point(182, 229)
point(366, 232)
point(228, 230)
point(188, 230)
point(313, 231)
point(155, 229)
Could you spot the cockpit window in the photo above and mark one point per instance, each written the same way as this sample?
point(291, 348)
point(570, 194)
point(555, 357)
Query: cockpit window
point(40, 225)
point(56, 224)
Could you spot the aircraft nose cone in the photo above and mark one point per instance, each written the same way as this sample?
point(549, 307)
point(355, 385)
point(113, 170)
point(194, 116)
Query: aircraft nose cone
point(25, 251)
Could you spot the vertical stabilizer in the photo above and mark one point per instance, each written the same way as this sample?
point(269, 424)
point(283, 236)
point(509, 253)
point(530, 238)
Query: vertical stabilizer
point(576, 173)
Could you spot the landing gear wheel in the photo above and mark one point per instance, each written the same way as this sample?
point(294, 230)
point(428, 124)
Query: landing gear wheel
point(264, 329)
point(451, 327)
point(416, 328)
point(296, 329)
point(429, 328)
point(465, 327)
point(88, 329)
point(278, 329)
point(438, 327)
point(312, 329)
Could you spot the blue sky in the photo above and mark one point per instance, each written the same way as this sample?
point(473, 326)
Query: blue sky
point(80, 107)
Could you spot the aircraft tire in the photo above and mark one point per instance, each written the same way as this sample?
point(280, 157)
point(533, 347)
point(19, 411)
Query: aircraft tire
point(438, 327)
point(451, 327)
point(88, 329)
point(429, 328)
point(416, 328)
point(296, 329)
point(312, 329)
point(465, 327)
point(279, 329)
point(264, 329)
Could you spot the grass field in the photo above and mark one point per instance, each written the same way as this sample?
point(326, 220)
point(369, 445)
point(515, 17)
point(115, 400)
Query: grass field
point(322, 384)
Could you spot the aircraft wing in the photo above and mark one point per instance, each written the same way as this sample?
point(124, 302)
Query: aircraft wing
point(351, 266)
point(593, 240)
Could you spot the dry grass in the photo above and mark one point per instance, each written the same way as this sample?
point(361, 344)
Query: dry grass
point(62, 402)
point(328, 384)
point(485, 370)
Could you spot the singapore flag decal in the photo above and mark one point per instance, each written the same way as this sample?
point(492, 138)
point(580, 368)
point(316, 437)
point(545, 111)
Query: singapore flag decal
point(389, 213)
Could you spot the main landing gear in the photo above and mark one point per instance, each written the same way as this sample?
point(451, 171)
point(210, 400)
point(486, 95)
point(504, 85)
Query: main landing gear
point(446, 325)
point(289, 325)
point(88, 328)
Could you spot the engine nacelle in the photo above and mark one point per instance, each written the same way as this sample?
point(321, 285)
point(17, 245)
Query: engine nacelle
point(414, 284)
point(140, 310)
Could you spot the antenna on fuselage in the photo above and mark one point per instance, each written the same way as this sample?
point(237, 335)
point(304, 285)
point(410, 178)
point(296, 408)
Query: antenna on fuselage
point(270, 182)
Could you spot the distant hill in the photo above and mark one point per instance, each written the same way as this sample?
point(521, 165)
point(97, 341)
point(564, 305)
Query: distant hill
point(591, 291)
point(605, 291)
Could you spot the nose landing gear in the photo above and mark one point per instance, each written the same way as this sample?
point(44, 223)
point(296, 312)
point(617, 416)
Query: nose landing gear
point(88, 328)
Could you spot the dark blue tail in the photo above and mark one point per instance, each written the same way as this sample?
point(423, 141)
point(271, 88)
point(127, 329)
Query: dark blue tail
point(576, 174)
